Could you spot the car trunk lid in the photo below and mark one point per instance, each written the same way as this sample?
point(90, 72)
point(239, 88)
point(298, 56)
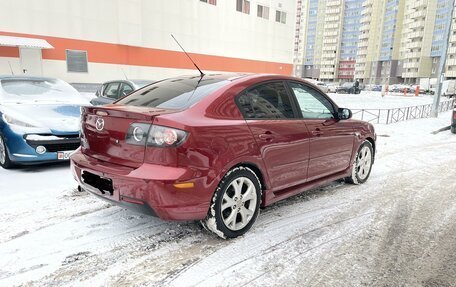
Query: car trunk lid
point(104, 131)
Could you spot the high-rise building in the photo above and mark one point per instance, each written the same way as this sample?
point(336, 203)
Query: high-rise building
point(332, 30)
point(416, 43)
point(370, 33)
point(377, 41)
point(350, 38)
point(442, 20)
point(451, 56)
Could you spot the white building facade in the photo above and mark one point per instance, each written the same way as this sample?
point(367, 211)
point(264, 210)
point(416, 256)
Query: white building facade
point(94, 41)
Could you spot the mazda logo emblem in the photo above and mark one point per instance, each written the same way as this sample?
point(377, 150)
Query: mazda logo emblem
point(99, 124)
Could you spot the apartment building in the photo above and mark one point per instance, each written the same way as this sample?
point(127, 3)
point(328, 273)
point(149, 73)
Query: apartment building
point(377, 41)
point(332, 30)
point(451, 57)
point(442, 20)
point(350, 38)
point(370, 33)
point(309, 39)
point(416, 43)
point(94, 41)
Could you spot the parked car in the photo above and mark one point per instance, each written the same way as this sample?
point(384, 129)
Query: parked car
point(453, 121)
point(114, 90)
point(321, 85)
point(348, 88)
point(332, 88)
point(217, 147)
point(39, 120)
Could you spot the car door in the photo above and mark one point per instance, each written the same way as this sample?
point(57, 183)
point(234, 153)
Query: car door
point(125, 89)
point(282, 139)
point(109, 93)
point(332, 140)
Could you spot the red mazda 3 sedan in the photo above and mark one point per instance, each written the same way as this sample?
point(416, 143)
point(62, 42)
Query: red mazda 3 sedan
point(216, 148)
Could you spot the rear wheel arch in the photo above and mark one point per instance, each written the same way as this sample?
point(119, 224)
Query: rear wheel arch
point(371, 140)
point(255, 169)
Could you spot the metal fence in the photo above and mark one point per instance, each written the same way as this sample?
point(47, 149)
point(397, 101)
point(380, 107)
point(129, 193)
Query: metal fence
point(389, 116)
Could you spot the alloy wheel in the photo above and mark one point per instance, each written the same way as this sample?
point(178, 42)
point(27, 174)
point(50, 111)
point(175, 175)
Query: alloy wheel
point(364, 162)
point(238, 203)
point(2, 151)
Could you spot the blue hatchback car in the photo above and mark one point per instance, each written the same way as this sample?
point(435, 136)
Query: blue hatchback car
point(39, 120)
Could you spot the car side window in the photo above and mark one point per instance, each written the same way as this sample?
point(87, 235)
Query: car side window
point(111, 90)
point(125, 90)
point(266, 101)
point(312, 103)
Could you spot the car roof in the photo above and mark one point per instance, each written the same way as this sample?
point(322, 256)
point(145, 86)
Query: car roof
point(21, 77)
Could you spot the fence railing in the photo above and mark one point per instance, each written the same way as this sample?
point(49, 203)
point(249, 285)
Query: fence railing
point(389, 116)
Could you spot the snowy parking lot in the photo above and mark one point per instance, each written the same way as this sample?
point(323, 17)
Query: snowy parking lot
point(397, 229)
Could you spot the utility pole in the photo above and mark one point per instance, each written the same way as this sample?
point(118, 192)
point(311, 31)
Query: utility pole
point(440, 75)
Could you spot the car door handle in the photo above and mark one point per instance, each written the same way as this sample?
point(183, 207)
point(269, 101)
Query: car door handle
point(267, 136)
point(317, 132)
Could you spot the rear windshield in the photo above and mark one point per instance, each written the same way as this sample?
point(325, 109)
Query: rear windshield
point(178, 93)
point(38, 87)
point(141, 83)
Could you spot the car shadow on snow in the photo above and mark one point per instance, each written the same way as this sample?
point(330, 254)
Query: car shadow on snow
point(41, 167)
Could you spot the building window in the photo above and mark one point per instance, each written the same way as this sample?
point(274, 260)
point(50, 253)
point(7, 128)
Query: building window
point(263, 12)
point(77, 61)
point(281, 17)
point(213, 2)
point(243, 6)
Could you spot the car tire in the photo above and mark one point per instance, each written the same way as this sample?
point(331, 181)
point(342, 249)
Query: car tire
point(453, 129)
point(5, 161)
point(235, 205)
point(362, 164)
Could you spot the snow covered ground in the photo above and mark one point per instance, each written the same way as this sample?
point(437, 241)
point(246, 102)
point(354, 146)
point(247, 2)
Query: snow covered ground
point(397, 229)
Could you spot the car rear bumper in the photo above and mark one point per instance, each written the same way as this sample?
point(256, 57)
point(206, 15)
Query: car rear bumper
point(147, 189)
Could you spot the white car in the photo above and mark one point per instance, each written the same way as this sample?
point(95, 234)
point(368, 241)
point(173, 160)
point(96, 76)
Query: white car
point(321, 85)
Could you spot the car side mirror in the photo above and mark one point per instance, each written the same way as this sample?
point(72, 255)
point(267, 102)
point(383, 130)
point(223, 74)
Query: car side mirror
point(344, 114)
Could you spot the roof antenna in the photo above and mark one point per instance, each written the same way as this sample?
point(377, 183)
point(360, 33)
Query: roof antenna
point(202, 74)
point(123, 72)
point(11, 68)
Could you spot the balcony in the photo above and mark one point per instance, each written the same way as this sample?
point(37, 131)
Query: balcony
point(415, 35)
point(452, 50)
point(331, 27)
point(417, 14)
point(451, 62)
point(328, 63)
point(362, 45)
point(333, 33)
point(333, 11)
point(329, 47)
point(413, 45)
point(363, 36)
point(365, 20)
point(412, 55)
point(414, 24)
point(417, 4)
point(410, 75)
point(331, 3)
point(333, 19)
point(329, 40)
point(327, 70)
point(411, 65)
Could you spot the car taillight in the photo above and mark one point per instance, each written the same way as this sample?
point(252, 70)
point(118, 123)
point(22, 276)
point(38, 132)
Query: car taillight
point(454, 115)
point(153, 135)
point(165, 137)
point(137, 134)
